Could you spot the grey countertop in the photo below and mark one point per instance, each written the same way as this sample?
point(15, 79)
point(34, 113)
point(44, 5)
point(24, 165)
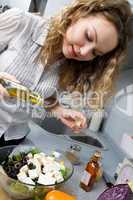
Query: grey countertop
point(43, 139)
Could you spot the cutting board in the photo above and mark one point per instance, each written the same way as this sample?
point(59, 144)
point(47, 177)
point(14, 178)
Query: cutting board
point(4, 196)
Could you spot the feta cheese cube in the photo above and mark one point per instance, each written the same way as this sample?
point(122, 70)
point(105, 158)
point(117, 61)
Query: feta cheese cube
point(44, 161)
point(46, 180)
point(34, 173)
point(25, 179)
point(45, 170)
point(58, 176)
point(31, 160)
point(24, 169)
point(21, 175)
point(30, 155)
point(38, 165)
point(41, 158)
point(28, 180)
point(48, 168)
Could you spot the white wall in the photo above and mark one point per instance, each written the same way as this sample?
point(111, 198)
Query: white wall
point(4, 2)
point(22, 4)
point(53, 6)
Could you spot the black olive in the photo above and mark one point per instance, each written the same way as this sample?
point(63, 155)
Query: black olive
point(11, 163)
point(31, 166)
point(35, 180)
point(16, 171)
point(18, 165)
point(13, 175)
point(8, 170)
point(24, 161)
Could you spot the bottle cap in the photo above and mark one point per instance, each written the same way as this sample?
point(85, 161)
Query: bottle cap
point(98, 154)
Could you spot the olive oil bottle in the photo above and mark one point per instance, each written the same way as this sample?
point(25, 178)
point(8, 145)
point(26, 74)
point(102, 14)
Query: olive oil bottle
point(20, 92)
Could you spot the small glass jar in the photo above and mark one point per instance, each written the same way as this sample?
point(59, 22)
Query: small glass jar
point(73, 154)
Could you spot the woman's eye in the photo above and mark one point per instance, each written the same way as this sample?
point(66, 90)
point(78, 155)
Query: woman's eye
point(90, 39)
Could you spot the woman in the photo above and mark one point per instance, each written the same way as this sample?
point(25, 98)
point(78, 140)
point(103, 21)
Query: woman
point(79, 50)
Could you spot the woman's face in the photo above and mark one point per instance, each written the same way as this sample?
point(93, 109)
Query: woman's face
point(89, 37)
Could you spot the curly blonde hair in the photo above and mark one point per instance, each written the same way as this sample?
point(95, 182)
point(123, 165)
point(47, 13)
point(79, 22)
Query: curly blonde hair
point(76, 75)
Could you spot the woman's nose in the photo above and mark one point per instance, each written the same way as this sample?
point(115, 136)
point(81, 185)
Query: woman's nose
point(86, 50)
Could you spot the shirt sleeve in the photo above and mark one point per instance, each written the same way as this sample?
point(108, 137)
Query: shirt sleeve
point(15, 22)
point(9, 24)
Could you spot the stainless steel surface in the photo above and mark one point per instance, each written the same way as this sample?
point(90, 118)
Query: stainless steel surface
point(87, 140)
point(53, 125)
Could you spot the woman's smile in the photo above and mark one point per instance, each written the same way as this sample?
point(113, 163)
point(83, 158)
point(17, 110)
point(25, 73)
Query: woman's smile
point(71, 51)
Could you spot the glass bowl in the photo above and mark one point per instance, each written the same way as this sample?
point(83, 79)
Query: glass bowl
point(19, 190)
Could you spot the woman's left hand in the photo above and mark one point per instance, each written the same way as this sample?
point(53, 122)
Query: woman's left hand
point(71, 118)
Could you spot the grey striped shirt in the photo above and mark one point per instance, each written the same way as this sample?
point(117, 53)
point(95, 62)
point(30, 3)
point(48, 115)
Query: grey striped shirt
point(21, 37)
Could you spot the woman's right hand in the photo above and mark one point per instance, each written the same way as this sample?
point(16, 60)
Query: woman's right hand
point(71, 118)
point(3, 91)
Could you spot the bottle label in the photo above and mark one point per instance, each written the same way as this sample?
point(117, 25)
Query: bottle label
point(86, 178)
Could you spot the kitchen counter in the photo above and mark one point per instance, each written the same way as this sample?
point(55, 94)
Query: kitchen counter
point(41, 138)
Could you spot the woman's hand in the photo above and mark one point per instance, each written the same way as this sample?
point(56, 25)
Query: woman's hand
point(71, 118)
point(3, 91)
